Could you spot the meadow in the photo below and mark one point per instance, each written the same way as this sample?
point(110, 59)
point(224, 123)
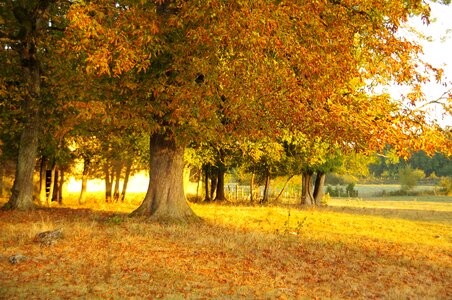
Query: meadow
point(352, 249)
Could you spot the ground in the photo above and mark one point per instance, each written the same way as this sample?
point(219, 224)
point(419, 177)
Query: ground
point(353, 249)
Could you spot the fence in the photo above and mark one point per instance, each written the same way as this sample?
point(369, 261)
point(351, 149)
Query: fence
point(242, 193)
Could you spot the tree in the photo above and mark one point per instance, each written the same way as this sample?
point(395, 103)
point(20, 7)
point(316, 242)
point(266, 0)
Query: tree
point(27, 31)
point(409, 178)
point(250, 69)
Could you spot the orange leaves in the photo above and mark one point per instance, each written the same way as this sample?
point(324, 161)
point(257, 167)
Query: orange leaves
point(303, 65)
point(113, 47)
point(346, 252)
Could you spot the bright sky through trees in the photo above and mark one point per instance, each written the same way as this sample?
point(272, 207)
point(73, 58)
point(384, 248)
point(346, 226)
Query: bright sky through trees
point(437, 47)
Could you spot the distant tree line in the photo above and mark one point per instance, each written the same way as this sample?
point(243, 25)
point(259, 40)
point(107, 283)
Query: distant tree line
point(389, 166)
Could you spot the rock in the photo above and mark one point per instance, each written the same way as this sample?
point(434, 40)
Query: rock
point(48, 238)
point(18, 258)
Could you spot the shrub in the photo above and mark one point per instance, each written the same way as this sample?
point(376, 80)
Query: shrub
point(350, 189)
point(409, 178)
point(336, 192)
point(336, 179)
point(446, 185)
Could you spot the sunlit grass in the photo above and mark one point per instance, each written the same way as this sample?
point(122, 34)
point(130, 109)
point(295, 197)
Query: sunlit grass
point(352, 249)
point(333, 225)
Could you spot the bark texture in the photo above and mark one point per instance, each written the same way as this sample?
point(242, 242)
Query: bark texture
point(22, 191)
point(165, 200)
point(220, 196)
point(318, 189)
point(307, 193)
point(265, 197)
point(126, 180)
point(108, 182)
point(29, 24)
point(206, 183)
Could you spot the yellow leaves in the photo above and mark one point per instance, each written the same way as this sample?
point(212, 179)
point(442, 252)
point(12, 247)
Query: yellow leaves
point(359, 250)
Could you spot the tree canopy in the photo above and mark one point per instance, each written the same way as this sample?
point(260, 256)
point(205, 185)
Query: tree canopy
point(191, 72)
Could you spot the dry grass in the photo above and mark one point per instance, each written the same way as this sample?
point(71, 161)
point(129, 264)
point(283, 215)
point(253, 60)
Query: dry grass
point(343, 252)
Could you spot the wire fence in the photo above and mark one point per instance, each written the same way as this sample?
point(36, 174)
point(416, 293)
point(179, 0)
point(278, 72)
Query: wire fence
point(242, 193)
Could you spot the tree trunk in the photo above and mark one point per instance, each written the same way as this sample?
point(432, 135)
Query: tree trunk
point(2, 174)
point(29, 24)
point(165, 199)
point(117, 168)
point(220, 186)
point(266, 187)
point(307, 197)
point(42, 181)
point(206, 183)
point(213, 184)
point(318, 188)
point(252, 187)
point(197, 186)
point(284, 187)
point(108, 182)
point(22, 191)
point(56, 186)
point(126, 180)
point(60, 187)
point(52, 185)
point(82, 198)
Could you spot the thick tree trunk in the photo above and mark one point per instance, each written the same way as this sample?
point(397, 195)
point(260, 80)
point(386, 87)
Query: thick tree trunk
point(22, 191)
point(318, 188)
point(307, 196)
point(42, 181)
point(126, 180)
point(265, 197)
point(220, 186)
point(165, 199)
point(29, 25)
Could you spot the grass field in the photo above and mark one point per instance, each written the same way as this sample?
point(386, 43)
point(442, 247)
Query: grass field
point(353, 249)
point(372, 190)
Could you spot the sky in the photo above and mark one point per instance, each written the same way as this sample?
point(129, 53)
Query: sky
point(438, 52)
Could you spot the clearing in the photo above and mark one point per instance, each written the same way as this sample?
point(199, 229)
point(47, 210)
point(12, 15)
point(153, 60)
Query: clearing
point(353, 249)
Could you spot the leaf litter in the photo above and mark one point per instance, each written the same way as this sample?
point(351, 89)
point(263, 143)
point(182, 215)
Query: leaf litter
point(225, 257)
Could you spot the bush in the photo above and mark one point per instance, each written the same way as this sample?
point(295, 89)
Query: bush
point(446, 185)
point(336, 192)
point(409, 178)
point(338, 179)
point(350, 189)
